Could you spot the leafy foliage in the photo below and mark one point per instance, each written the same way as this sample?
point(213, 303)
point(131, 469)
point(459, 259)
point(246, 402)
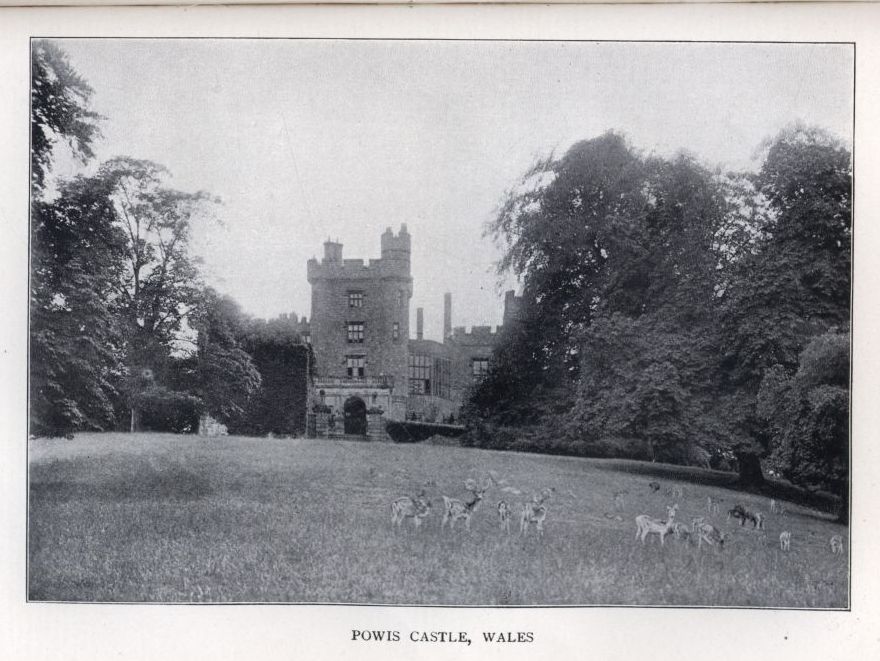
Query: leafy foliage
point(657, 295)
point(226, 379)
point(59, 110)
point(75, 348)
point(285, 364)
point(808, 415)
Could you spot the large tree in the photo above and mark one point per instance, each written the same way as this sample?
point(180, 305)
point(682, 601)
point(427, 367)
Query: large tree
point(286, 365)
point(76, 360)
point(75, 261)
point(794, 280)
point(807, 413)
point(60, 110)
point(160, 284)
point(224, 378)
point(618, 258)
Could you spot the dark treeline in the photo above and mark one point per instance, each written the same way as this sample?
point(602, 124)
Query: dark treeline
point(671, 312)
point(124, 334)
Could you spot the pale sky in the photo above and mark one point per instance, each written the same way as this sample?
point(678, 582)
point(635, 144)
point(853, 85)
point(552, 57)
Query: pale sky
point(305, 139)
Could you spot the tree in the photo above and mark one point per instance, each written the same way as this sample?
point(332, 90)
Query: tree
point(618, 256)
point(160, 284)
point(59, 110)
point(793, 283)
point(225, 378)
point(286, 365)
point(808, 416)
point(76, 365)
point(74, 261)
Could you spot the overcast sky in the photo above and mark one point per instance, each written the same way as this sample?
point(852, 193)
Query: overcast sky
point(308, 139)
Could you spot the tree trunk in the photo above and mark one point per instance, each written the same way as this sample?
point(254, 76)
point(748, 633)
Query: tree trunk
point(843, 508)
point(135, 419)
point(750, 474)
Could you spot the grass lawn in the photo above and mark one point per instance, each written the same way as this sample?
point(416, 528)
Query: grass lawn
point(156, 517)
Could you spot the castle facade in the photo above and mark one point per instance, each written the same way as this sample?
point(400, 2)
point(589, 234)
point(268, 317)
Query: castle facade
point(368, 367)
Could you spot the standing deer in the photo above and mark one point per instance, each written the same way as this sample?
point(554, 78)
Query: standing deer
point(455, 509)
point(504, 514)
point(785, 540)
point(410, 508)
point(836, 544)
point(645, 525)
point(535, 512)
point(712, 505)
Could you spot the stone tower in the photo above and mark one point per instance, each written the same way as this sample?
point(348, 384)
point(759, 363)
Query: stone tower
point(360, 324)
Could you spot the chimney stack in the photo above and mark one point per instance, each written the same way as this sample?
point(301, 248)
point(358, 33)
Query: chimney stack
point(420, 323)
point(447, 315)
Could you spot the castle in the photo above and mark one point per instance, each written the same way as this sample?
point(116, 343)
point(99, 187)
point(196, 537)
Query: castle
point(368, 368)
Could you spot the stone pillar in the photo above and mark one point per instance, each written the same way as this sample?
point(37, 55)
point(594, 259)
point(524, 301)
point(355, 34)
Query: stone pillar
point(376, 425)
point(322, 418)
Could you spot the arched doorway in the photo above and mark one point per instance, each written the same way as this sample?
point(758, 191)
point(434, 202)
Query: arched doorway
point(355, 412)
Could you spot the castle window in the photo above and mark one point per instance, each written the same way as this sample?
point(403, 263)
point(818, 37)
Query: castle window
point(355, 365)
point(442, 382)
point(355, 299)
point(355, 331)
point(420, 375)
point(395, 331)
point(480, 367)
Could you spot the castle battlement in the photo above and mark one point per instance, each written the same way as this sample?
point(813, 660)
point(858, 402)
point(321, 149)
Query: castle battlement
point(475, 334)
point(394, 263)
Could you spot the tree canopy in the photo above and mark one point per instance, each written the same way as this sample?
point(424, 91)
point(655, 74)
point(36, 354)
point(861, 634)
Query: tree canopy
point(658, 294)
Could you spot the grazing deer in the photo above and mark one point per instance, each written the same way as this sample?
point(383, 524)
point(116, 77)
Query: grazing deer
point(706, 532)
point(645, 525)
point(504, 513)
point(759, 520)
point(534, 512)
point(675, 491)
point(741, 513)
point(654, 486)
point(681, 531)
point(836, 544)
point(455, 509)
point(785, 540)
point(410, 508)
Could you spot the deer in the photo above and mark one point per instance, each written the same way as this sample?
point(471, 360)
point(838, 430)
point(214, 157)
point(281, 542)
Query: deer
point(774, 506)
point(741, 513)
point(675, 491)
point(712, 505)
point(645, 525)
point(706, 532)
point(405, 507)
point(759, 520)
point(836, 544)
point(534, 512)
point(455, 509)
point(681, 531)
point(785, 540)
point(504, 514)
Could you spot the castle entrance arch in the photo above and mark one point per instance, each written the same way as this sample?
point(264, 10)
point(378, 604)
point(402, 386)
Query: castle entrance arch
point(355, 414)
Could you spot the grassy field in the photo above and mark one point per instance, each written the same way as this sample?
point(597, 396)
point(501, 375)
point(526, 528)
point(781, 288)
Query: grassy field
point(152, 517)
